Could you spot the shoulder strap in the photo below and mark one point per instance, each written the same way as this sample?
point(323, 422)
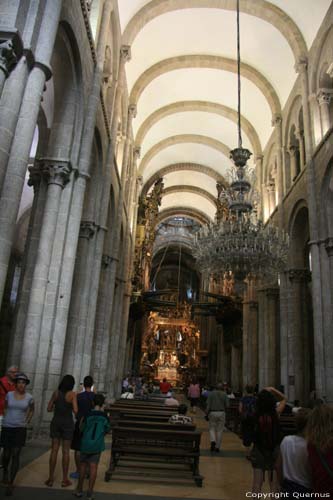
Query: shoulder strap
point(324, 463)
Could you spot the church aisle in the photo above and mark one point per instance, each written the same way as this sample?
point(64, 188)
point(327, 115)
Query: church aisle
point(227, 476)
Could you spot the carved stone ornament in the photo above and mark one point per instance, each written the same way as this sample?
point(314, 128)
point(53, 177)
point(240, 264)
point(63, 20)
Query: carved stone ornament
point(324, 96)
point(87, 229)
point(125, 52)
point(56, 171)
point(35, 174)
point(299, 275)
point(11, 49)
point(329, 246)
point(106, 260)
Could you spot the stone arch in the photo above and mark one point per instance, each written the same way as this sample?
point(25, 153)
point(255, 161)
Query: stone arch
point(261, 9)
point(195, 214)
point(180, 139)
point(67, 81)
point(294, 140)
point(209, 107)
point(324, 49)
point(211, 62)
point(190, 189)
point(176, 167)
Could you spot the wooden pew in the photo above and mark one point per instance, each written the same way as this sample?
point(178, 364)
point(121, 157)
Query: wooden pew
point(166, 426)
point(155, 450)
point(232, 416)
point(287, 424)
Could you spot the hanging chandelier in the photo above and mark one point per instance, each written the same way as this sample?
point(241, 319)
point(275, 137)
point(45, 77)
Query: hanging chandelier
point(238, 241)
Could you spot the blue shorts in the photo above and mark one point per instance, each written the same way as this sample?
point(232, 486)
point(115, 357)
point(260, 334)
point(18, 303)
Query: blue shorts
point(90, 458)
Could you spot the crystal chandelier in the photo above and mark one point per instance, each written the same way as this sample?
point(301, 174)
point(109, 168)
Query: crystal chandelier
point(238, 241)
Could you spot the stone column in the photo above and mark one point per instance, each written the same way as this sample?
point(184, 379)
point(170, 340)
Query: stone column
point(17, 164)
point(271, 196)
point(298, 383)
point(277, 122)
point(250, 333)
point(293, 162)
point(324, 97)
point(328, 315)
point(36, 217)
point(302, 68)
point(300, 138)
point(235, 367)
point(57, 174)
point(272, 335)
point(11, 50)
point(80, 299)
point(284, 326)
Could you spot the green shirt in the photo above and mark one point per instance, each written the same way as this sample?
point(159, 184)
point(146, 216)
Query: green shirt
point(217, 401)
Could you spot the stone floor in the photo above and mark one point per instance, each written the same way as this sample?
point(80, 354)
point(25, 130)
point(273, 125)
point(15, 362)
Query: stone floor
point(227, 476)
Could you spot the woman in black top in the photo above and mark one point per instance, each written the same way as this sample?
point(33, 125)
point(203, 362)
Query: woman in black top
point(266, 438)
point(63, 403)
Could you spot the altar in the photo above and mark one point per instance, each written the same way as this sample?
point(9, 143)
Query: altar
point(170, 346)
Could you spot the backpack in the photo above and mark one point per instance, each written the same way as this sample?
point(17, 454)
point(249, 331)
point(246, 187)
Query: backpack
point(96, 425)
point(248, 407)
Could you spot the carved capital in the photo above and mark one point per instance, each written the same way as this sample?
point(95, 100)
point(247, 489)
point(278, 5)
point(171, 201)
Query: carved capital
point(301, 64)
point(87, 229)
point(324, 97)
point(299, 275)
point(329, 246)
point(125, 52)
point(35, 175)
point(270, 187)
point(56, 171)
point(11, 49)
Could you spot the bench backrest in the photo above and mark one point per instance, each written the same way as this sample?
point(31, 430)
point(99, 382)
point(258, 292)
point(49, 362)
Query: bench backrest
point(127, 437)
point(155, 425)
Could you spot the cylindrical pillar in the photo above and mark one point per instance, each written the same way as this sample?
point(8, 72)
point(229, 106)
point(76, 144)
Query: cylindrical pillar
point(17, 164)
point(324, 98)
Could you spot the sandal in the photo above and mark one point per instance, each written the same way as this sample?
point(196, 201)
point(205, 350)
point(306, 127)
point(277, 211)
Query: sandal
point(49, 483)
point(66, 483)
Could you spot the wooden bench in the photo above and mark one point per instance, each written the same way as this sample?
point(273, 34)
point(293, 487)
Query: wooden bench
point(287, 424)
point(166, 426)
point(155, 453)
point(232, 415)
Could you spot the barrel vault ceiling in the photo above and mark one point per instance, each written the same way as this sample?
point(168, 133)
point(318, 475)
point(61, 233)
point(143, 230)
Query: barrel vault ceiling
point(182, 78)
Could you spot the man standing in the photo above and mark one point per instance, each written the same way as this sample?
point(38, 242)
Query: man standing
point(217, 404)
point(6, 385)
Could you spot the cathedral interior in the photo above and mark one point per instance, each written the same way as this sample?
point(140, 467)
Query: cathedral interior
point(117, 119)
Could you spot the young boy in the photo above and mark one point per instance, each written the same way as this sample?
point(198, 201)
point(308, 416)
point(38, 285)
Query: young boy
point(94, 426)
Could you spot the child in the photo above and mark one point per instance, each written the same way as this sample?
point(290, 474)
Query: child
point(94, 426)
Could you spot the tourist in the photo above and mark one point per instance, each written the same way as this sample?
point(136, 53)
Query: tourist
point(194, 394)
point(217, 404)
point(165, 386)
point(319, 436)
point(63, 403)
point(266, 436)
point(94, 427)
point(180, 417)
point(247, 411)
point(85, 404)
point(6, 385)
point(124, 384)
point(129, 394)
point(292, 465)
point(170, 400)
point(19, 409)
